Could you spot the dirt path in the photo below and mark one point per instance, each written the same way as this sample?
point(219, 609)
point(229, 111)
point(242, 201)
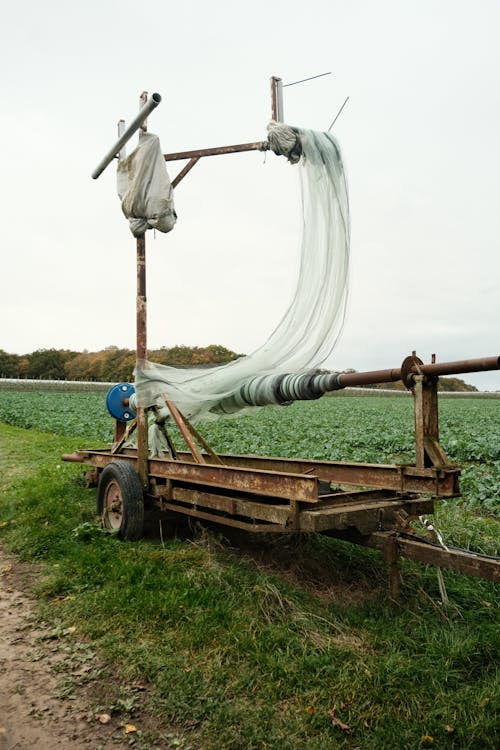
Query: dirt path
point(44, 688)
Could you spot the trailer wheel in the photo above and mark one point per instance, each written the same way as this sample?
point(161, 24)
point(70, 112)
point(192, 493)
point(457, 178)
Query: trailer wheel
point(120, 500)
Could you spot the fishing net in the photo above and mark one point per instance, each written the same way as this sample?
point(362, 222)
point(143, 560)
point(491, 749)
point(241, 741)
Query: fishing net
point(310, 327)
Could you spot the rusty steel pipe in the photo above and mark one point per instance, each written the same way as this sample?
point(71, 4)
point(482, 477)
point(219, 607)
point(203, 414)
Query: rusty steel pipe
point(217, 151)
point(482, 364)
point(141, 354)
point(350, 379)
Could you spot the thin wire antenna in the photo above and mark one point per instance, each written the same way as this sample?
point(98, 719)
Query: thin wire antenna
point(338, 114)
point(307, 79)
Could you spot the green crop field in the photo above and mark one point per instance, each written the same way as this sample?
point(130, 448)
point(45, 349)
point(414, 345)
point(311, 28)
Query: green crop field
point(264, 644)
point(349, 428)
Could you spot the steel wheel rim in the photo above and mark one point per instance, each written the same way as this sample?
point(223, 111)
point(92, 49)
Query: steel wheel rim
point(113, 506)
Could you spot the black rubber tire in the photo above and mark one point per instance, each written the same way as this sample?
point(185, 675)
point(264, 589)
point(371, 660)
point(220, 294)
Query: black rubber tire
point(120, 483)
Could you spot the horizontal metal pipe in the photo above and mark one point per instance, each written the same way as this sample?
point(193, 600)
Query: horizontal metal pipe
point(136, 123)
point(217, 151)
point(483, 364)
point(349, 379)
point(262, 390)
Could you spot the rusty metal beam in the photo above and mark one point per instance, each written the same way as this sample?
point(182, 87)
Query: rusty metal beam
point(201, 440)
point(217, 151)
point(125, 434)
point(460, 561)
point(440, 482)
point(365, 517)
point(185, 432)
point(277, 514)
point(427, 447)
point(252, 481)
point(184, 171)
point(225, 520)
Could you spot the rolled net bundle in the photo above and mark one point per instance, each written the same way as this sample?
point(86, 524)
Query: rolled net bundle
point(309, 329)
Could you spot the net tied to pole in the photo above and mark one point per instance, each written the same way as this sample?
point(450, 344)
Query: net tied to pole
point(310, 327)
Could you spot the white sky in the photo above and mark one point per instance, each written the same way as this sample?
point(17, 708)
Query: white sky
point(419, 137)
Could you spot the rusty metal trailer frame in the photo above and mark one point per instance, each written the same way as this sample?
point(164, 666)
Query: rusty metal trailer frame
point(368, 504)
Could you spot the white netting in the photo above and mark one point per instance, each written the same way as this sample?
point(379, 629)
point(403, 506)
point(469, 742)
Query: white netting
point(310, 327)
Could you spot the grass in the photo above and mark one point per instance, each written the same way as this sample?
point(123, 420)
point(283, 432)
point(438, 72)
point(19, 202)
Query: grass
point(253, 644)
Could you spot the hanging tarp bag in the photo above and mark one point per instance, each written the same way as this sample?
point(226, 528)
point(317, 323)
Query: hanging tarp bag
point(144, 188)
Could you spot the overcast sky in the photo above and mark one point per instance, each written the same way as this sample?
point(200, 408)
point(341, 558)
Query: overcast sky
point(420, 138)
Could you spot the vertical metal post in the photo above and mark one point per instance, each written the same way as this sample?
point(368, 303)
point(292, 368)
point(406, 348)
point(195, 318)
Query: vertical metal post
point(277, 99)
point(120, 427)
point(142, 102)
point(121, 129)
point(141, 344)
point(428, 449)
point(141, 354)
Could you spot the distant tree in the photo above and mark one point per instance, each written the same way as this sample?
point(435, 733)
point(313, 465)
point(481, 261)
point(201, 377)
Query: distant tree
point(118, 365)
point(47, 364)
point(218, 353)
point(9, 365)
point(24, 366)
point(86, 366)
point(455, 384)
point(111, 364)
point(192, 356)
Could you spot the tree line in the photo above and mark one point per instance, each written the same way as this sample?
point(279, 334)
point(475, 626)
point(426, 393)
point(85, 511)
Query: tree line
point(107, 365)
point(113, 364)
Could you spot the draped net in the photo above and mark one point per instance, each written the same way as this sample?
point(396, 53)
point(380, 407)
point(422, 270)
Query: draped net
point(309, 329)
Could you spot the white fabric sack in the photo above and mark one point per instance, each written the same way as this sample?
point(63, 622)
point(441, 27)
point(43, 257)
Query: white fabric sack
point(144, 188)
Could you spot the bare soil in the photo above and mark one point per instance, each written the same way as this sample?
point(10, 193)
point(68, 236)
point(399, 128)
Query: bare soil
point(49, 680)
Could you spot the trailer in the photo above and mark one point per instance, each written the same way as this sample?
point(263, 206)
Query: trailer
point(368, 504)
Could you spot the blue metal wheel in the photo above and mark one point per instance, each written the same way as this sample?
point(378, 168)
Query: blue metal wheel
point(117, 402)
